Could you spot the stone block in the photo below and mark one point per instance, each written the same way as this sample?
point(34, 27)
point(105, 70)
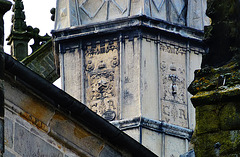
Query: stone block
point(73, 134)
point(152, 140)
point(31, 105)
point(8, 154)
point(109, 152)
point(230, 116)
point(229, 141)
point(174, 147)
point(134, 133)
point(207, 119)
point(8, 132)
point(28, 144)
point(149, 81)
point(131, 79)
point(73, 77)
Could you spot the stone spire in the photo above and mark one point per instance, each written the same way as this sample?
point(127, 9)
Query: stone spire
point(18, 39)
point(21, 34)
point(18, 18)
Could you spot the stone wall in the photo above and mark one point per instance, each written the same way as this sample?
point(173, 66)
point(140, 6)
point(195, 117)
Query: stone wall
point(33, 127)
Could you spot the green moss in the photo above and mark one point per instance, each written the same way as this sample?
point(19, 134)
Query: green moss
point(207, 119)
point(230, 117)
point(229, 140)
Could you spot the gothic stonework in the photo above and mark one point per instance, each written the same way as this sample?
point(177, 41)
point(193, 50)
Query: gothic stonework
point(102, 83)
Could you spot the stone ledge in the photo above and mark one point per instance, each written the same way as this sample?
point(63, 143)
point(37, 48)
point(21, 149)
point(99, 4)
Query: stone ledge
point(215, 96)
point(127, 24)
point(158, 126)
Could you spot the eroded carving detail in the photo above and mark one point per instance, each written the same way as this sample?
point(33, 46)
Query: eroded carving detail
point(102, 85)
point(173, 84)
point(174, 113)
point(169, 48)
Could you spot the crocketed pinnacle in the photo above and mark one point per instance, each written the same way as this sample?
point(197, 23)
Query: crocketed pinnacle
point(18, 19)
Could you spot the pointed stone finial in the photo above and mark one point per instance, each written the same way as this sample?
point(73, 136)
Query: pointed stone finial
point(18, 38)
point(18, 18)
point(21, 34)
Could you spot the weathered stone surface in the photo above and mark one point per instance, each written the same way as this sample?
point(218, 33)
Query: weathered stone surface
point(173, 83)
point(102, 79)
point(109, 152)
point(229, 116)
point(149, 137)
point(73, 79)
point(189, 154)
point(35, 110)
point(229, 140)
point(207, 119)
point(32, 145)
point(216, 86)
point(131, 78)
point(72, 134)
point(222, 36)
point(150, 79)
point(174, 146)
point(8, 154)
point(8, 133)
point(179, 12)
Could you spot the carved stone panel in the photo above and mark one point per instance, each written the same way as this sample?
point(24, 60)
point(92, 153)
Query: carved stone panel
point(102, 79)
point(173, 83)
point(173, 73)
point(175, 113)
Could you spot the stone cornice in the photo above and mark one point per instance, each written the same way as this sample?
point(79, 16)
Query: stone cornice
point(129, 23)
point(158, 126)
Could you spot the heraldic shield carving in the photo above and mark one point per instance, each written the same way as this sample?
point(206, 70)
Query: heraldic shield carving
point(102, 83)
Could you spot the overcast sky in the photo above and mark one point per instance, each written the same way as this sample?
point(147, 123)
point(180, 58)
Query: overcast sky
point(37, 15)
